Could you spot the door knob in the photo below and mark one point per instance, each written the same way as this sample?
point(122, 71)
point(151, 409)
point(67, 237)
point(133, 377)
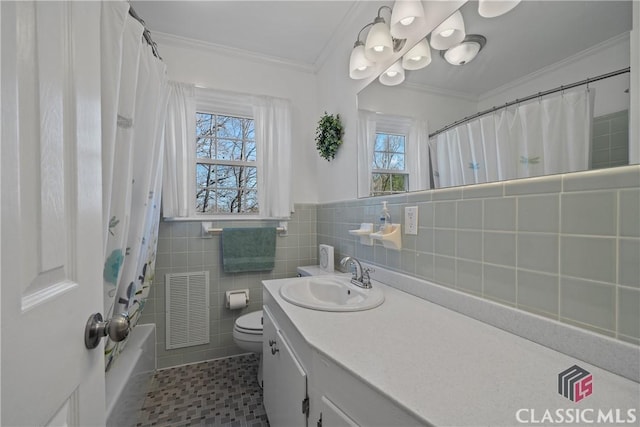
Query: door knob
point(117, 328)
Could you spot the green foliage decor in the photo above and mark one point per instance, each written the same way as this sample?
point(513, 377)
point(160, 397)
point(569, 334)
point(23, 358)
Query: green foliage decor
point(329, 135)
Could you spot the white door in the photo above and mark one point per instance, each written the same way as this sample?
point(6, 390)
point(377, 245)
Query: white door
point(51, 213)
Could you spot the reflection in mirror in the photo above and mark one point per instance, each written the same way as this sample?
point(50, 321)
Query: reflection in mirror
point(536, 47)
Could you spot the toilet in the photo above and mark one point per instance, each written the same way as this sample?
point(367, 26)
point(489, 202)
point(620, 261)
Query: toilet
point(247, 334)
point(247, 330)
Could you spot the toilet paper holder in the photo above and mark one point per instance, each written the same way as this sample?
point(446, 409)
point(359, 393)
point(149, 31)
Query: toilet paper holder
point(228, 297)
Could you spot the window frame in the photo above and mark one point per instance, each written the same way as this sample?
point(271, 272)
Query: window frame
point(392, 126)
point(236, 113)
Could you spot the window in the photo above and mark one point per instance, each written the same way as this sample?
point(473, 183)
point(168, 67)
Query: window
point(226, 166)
point(389, 174)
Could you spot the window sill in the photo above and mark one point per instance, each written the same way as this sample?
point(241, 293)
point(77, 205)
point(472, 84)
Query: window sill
point(211, 218)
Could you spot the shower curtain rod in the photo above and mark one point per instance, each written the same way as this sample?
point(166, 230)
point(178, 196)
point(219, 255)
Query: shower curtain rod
point(530, 97)
point(146, 33)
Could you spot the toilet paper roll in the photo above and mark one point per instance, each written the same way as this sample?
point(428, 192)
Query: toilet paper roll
point(238, 300)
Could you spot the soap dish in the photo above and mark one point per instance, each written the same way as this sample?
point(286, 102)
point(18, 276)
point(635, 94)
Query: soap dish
point(391, 237)
point(365, 230)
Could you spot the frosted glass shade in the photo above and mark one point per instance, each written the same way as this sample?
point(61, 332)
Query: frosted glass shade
point(417, 57)
point(462, 53)
point(359, 66)
point(493, 8)
point(394, 75)
point(449, 33)
point(379, 46)
point(405, 17)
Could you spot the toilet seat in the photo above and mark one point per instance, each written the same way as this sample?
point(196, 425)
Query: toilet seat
point(250, 323)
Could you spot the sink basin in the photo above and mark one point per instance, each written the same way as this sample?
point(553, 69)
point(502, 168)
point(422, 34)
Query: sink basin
point(331, 294)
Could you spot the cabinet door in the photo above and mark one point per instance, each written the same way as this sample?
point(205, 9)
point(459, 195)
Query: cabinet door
point(284, 379)
point(332, 416)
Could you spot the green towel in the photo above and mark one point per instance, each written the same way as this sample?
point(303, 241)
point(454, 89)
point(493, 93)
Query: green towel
point(248, 249)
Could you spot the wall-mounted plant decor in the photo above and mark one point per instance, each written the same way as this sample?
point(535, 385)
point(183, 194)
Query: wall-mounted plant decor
point(329, 135)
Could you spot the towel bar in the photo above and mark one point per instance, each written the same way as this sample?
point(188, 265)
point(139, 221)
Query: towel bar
point(219, 230)
point(207, 229)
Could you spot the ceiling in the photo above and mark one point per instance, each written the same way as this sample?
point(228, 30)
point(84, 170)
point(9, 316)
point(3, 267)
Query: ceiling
point(293, 31)
point(532, 36)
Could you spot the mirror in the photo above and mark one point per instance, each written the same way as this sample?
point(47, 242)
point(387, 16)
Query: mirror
point(537, 46)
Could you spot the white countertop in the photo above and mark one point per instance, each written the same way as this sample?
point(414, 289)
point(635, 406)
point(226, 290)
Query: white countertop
point(449, 369)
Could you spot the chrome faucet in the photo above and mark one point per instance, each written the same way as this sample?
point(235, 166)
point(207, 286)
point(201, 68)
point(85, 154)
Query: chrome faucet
point(359, 277)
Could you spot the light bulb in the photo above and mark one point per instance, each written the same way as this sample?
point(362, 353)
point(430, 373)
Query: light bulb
point(378, 48)
point(447, 33)
point(408, 20)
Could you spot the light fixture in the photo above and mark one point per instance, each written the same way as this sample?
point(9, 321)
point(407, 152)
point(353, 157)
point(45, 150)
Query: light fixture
point(466, 51)
point(393, 75)
point(360, 67)
point(493, 8)
point(405, 16)
point(379, 44)
point(417, 57)
point(449, 33)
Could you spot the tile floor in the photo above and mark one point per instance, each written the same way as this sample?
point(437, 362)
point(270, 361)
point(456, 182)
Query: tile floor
point(221, 392)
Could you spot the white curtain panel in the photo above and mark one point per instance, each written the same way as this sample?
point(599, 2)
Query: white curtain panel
point(546, 136)
point(179, 184)
point(366, 139)
point(418, 155)
point(134, 93)
point(273, 144)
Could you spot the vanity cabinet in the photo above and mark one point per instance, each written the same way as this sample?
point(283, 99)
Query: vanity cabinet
point(304, 387)
point(332, 416)
point(284, 378)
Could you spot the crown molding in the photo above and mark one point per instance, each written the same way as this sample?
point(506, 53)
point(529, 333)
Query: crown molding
point(188, 43)
point(622, 38)
point(338, 38)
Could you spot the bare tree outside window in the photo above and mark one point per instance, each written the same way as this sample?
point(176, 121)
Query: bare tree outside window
point(226, 170)
point(388, 171)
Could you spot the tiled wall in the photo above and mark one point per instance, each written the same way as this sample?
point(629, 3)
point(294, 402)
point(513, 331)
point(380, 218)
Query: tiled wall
point(181, 248)
point(610, 140)
point(565, 246)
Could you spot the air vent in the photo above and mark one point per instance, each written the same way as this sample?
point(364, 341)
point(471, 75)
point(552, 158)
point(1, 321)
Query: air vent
point(187, 309)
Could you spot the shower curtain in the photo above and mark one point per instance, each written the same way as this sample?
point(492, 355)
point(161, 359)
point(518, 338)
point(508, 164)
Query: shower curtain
point(134, 100)
point(547, 136)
